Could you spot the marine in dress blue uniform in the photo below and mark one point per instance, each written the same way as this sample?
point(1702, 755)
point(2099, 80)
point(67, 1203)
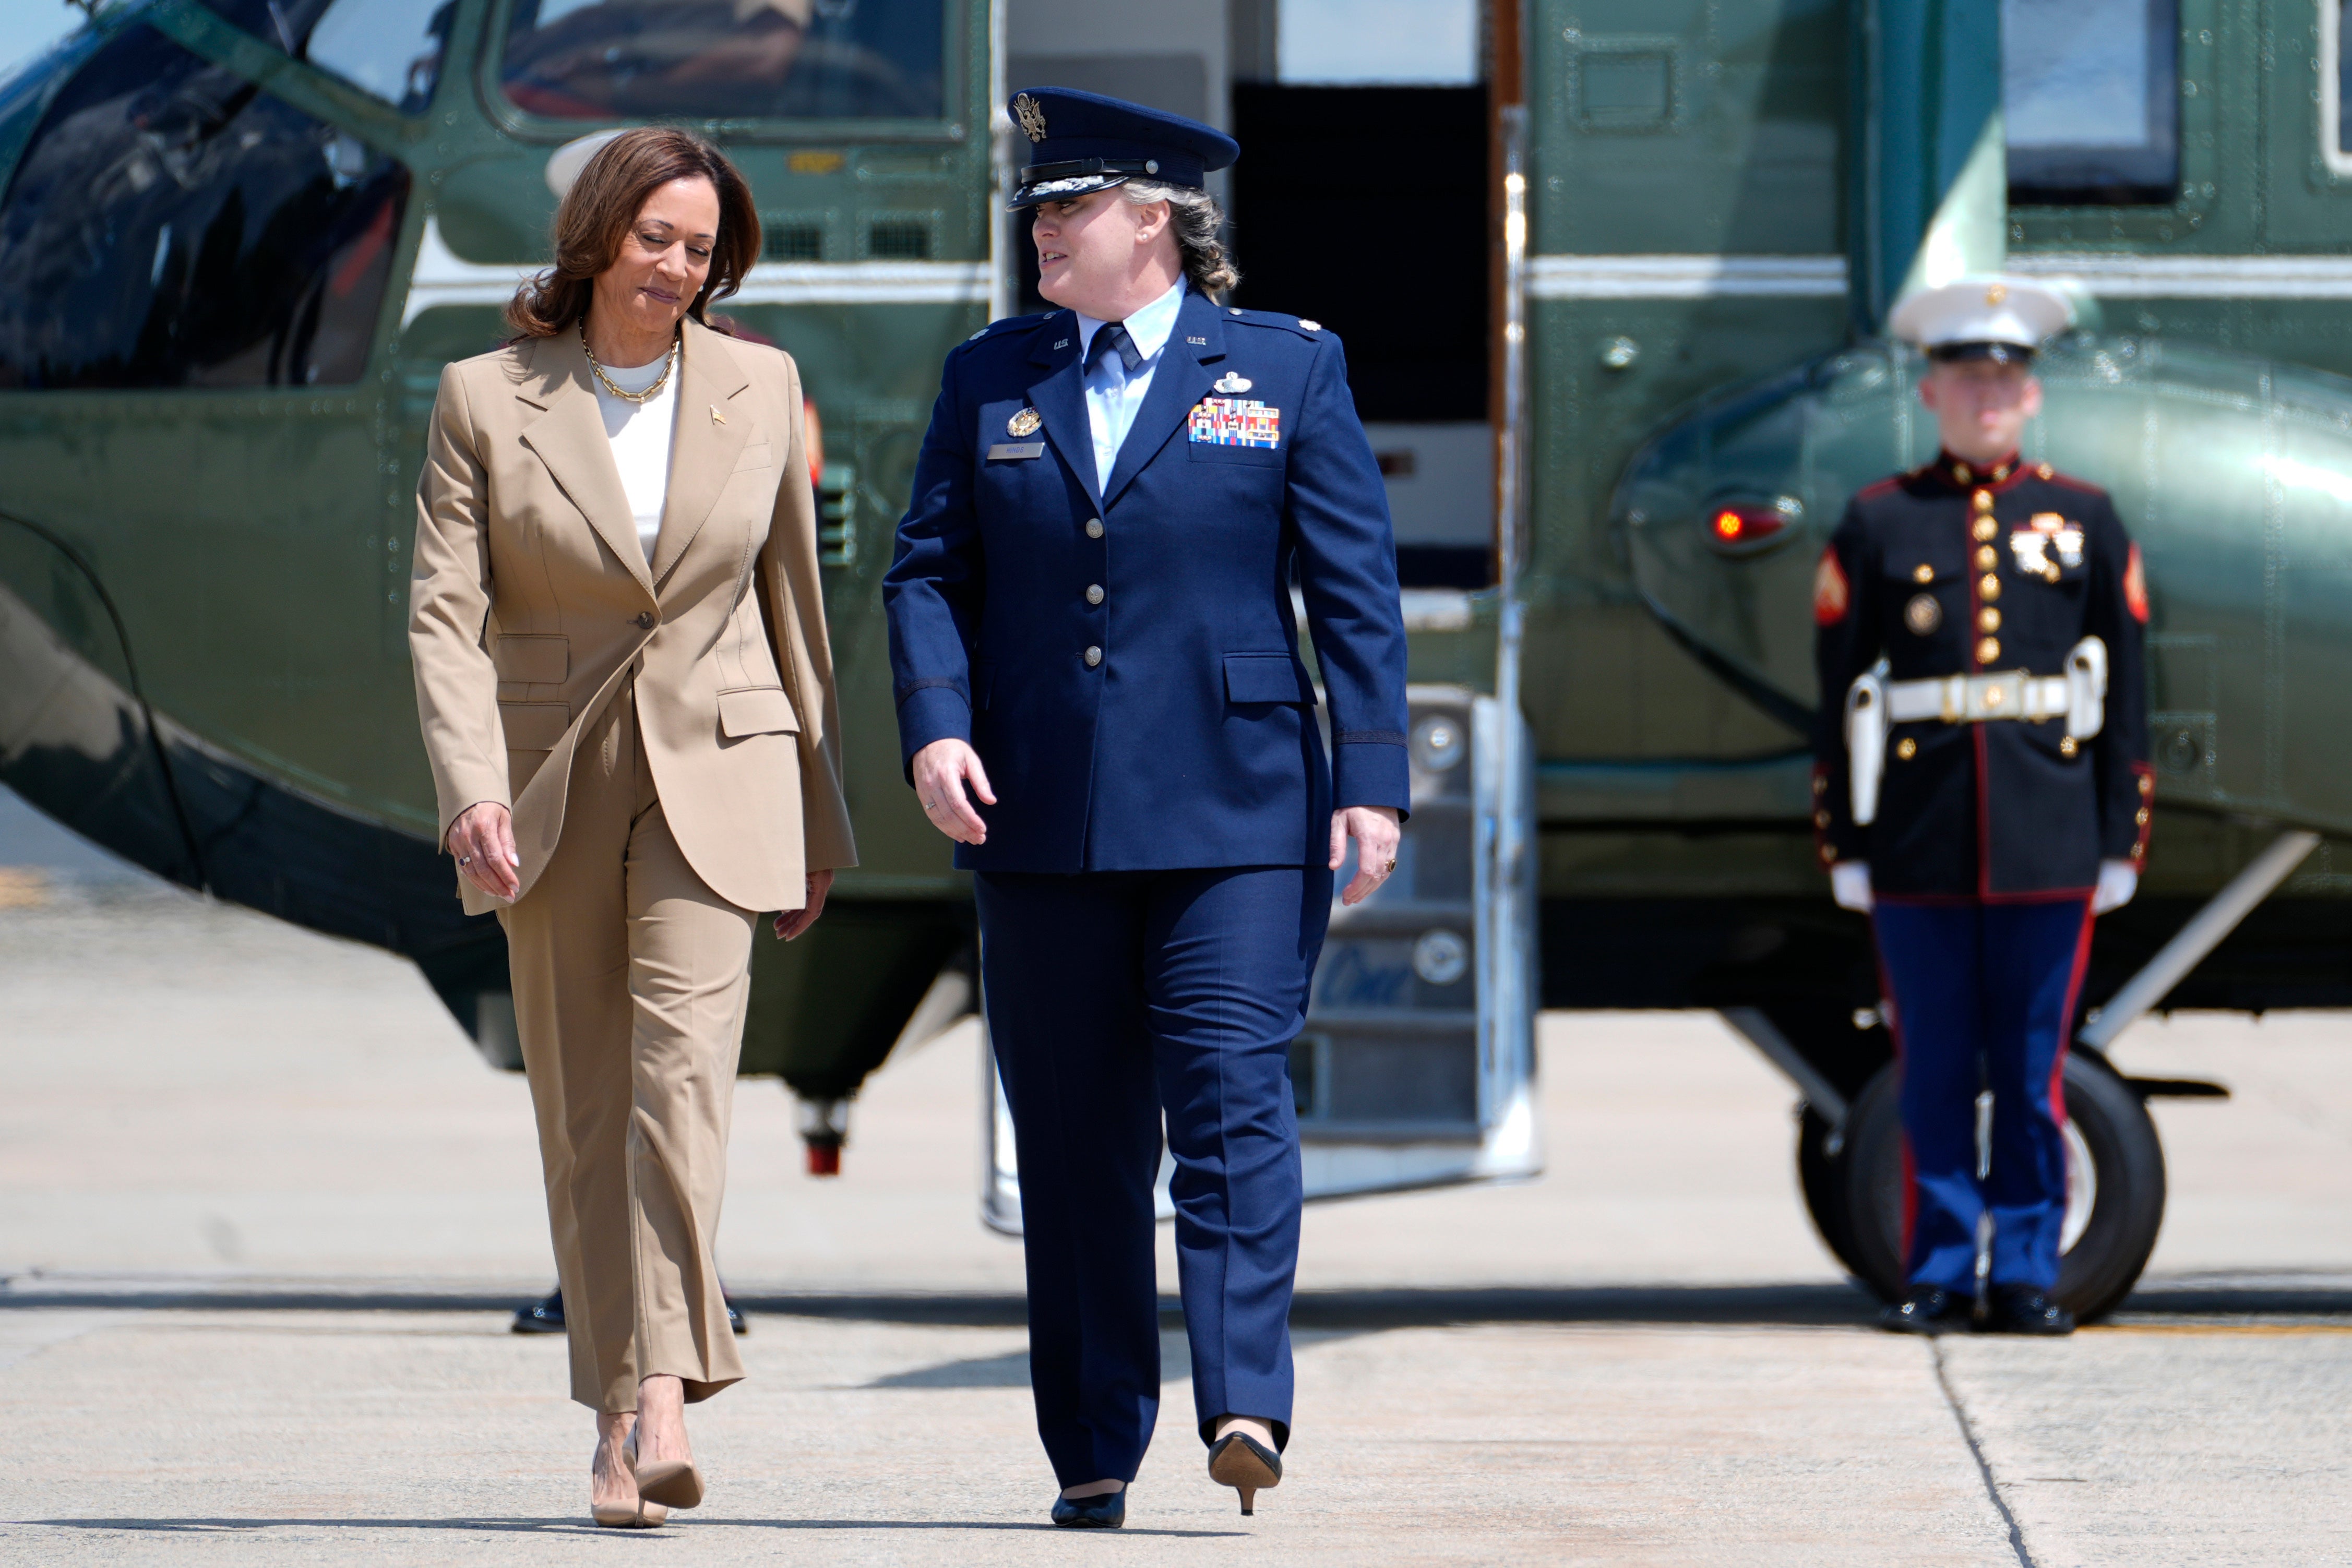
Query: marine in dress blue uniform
point(1980, 651)
point(1106, 618)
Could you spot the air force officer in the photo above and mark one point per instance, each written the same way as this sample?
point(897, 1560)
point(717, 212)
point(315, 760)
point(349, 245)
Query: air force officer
point(1101, 699)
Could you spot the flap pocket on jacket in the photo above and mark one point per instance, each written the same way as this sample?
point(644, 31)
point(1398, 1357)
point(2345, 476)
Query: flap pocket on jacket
point(758, 454)
point(538, 661)
point(534, 726)
point(1266, 678)
point(757, 710)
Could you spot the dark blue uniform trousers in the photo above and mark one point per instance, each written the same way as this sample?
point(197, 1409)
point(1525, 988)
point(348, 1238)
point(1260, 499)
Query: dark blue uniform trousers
point(1116, 999)
point(1984, 995)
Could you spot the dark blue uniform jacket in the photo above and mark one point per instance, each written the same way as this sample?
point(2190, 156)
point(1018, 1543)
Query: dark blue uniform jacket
point(1193, 740)
point(2006, 810)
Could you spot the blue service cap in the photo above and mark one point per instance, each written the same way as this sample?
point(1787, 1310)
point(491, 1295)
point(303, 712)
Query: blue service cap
point(1082, 141)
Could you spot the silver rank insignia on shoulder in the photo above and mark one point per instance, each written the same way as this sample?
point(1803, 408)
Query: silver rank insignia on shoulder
point(1306, 325)
point(1025, 423)
point(1230, 384)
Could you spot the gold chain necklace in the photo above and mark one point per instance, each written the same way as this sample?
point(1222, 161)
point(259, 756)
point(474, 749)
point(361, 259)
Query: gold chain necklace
point(669, 362)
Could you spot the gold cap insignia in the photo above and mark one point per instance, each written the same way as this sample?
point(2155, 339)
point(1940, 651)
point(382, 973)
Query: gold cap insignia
point(1995, 293)
point(1030, 116)
point(1025, 423)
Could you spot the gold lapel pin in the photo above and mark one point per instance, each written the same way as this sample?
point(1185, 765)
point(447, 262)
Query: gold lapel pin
point(717, 417)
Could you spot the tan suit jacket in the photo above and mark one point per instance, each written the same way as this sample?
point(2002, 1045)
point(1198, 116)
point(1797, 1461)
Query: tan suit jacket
point(531, 603)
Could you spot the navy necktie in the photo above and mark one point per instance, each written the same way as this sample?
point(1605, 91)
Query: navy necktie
point(1111, 336)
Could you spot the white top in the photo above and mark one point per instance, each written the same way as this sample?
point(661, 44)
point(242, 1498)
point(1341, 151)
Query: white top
point(1113, 397)
point(640, 433)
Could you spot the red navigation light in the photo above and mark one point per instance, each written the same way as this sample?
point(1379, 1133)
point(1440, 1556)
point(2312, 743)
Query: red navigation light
point(1738, 524)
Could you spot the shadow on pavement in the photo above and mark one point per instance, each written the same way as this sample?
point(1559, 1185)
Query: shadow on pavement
point(568, 1526)
point(1825, 1304)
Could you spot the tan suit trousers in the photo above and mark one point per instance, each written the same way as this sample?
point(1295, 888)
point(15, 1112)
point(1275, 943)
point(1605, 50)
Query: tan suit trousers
point(631, 977)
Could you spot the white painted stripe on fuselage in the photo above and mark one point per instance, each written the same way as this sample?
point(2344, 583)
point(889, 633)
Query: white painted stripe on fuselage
point(441, 277)
point(2101, 274)
point(2112, 277)
point(1684, 276)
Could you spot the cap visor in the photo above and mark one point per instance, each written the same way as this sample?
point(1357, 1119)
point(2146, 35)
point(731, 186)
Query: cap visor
point(1999, 353)
point(1062, 190)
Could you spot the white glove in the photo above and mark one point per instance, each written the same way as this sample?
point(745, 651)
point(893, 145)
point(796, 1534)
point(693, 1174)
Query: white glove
point(1850, 885)
point(2118, 880)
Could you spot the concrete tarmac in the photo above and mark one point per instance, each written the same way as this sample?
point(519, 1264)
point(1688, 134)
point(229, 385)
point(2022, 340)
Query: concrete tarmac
point(263, 1212)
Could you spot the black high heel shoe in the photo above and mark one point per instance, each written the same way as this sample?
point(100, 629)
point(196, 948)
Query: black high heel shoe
point(1104, 1510)
point(1240, 1461)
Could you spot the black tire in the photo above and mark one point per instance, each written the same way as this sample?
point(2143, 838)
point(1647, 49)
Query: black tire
point(2127, 1209)
point(1820, 1175)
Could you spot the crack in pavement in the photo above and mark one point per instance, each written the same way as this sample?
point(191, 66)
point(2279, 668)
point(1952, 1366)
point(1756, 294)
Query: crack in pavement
point(1976, 1452)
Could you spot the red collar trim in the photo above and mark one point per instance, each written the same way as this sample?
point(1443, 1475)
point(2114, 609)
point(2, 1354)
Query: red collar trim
point(1963, 473)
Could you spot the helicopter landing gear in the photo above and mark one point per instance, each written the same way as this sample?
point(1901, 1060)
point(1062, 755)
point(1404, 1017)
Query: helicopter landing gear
point(2115, 1187)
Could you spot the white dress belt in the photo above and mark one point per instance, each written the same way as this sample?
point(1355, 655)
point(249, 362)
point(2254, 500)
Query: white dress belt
point(1972, 699)
point(1874, 704)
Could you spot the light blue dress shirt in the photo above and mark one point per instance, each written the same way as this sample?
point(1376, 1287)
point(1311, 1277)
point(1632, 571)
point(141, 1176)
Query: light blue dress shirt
point(1113, 396)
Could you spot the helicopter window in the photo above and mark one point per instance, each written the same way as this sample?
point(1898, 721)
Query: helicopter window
point(170, 225)
point(2091, 95)
point(2335, 86)
point(391, 49)
point(727, 59)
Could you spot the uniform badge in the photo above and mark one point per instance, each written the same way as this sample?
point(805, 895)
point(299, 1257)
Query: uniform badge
point(1231, 421)
point(1025, 423)
point(2030, 547)
point(1031, 115)
point(2049, 529)
point(1830, 595)
point(1230, 384)
point(1924, 613)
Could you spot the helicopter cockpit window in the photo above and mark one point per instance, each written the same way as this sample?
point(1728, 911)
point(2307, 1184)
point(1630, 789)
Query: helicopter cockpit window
point(727, 59)
point(391, 49)
point(2091, 95)
point(170, 225)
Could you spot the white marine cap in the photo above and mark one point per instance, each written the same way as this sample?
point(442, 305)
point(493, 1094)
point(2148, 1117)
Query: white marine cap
point(566, 162)
point(1988, 312)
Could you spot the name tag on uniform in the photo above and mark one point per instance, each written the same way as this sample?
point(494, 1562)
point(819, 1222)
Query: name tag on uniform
point(1233, 422)
point(1015, 449)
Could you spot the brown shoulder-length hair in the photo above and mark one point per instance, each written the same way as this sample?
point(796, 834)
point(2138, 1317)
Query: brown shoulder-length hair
point(604, 200)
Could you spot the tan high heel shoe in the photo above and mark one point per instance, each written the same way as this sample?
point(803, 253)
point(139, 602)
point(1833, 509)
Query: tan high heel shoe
point(638, 1515)
point(1240, 1461)
point(664, 1483)
point(641, 1515)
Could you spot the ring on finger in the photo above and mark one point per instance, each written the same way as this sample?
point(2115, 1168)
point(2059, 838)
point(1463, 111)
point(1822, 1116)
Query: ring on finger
point(1389, 867)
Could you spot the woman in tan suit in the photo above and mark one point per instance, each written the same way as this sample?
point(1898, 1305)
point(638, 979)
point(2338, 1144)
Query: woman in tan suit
point(627, 701)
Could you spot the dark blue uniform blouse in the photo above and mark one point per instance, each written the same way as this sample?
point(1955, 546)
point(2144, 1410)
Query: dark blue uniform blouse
point(1166, 721)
